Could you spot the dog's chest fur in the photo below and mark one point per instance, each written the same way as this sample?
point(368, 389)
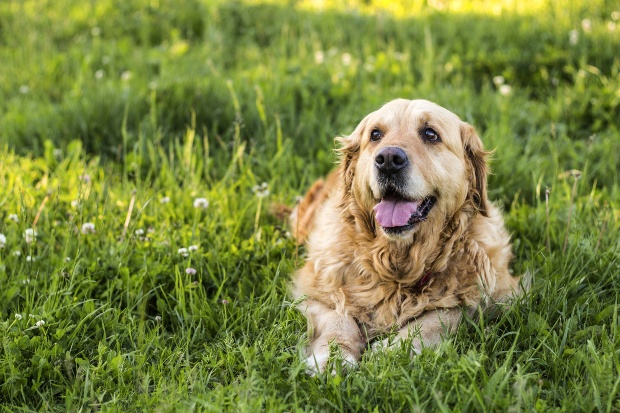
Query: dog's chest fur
point(379, 284)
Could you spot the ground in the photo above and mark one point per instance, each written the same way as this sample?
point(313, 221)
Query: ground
point(141, 268)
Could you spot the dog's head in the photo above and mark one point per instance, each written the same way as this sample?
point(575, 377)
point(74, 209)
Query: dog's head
point(413, 161)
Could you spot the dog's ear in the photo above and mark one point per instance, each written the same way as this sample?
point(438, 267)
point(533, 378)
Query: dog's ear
point(476, 156)
point(348, 148)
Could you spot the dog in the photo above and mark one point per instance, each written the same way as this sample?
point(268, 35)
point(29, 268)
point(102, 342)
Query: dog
point(400, 237)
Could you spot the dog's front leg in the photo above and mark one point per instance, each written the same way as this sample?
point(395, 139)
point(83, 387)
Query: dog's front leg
point(428, 330)
point(327, 326)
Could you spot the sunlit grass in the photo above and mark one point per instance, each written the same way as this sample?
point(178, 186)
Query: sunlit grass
point(411, 8)
point(420, 8)
point(143, 144)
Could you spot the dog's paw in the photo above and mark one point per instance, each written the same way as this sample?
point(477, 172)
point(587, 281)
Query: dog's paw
point(349, 362)
point(391, 344)
point(318, 361)
point(380, 346)
point(384, 345)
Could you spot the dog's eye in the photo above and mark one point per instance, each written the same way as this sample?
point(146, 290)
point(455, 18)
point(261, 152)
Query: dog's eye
point(431, 136)
point(375, 135)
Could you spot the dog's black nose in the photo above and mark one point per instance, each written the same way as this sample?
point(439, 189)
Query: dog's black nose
point(391, 160)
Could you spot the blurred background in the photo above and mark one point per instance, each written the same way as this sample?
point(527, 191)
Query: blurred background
point(120, 76)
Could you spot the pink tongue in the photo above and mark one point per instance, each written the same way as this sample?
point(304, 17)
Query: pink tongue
point(394, 213)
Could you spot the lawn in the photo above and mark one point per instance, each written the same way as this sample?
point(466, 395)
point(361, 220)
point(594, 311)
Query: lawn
point(141, 268)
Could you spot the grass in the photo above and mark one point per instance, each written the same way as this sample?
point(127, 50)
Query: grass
point(110, 109)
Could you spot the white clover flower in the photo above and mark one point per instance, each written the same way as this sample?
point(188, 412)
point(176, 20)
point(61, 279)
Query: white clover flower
point(164, 200)
point(126, 75)
point(30, 235)
point(611, 26)
point(95, 31)
point(99, 74)
point(29, 258)
point(573, 37)
point(75, 203)
point(261, 190)
point(193, 248)
point(183, 252)
point(498, 80)
point(57, 153)
point(16, 253)
point(14, 217)
point(39, 323)
point(67, 259)
point(23, 89)
point(2, 241)
point(190, 271)
point(18, 316)
point(319, 57)
point(158, 318)
point(586, 25)
point(139, 231)
point(400, 56)
point(88, 228)
point(505, 90)
point(201, 203)
point(346, 59)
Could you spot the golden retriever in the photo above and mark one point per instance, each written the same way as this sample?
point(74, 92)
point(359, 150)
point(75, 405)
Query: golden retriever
point(401, 236)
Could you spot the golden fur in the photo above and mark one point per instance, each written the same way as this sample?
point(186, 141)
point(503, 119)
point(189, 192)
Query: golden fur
point(360, 280)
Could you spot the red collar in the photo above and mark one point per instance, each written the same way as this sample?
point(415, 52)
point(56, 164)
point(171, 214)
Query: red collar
point(424, 280)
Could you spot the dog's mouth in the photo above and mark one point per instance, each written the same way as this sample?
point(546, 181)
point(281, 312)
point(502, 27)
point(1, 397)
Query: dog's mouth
point(396, 214)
